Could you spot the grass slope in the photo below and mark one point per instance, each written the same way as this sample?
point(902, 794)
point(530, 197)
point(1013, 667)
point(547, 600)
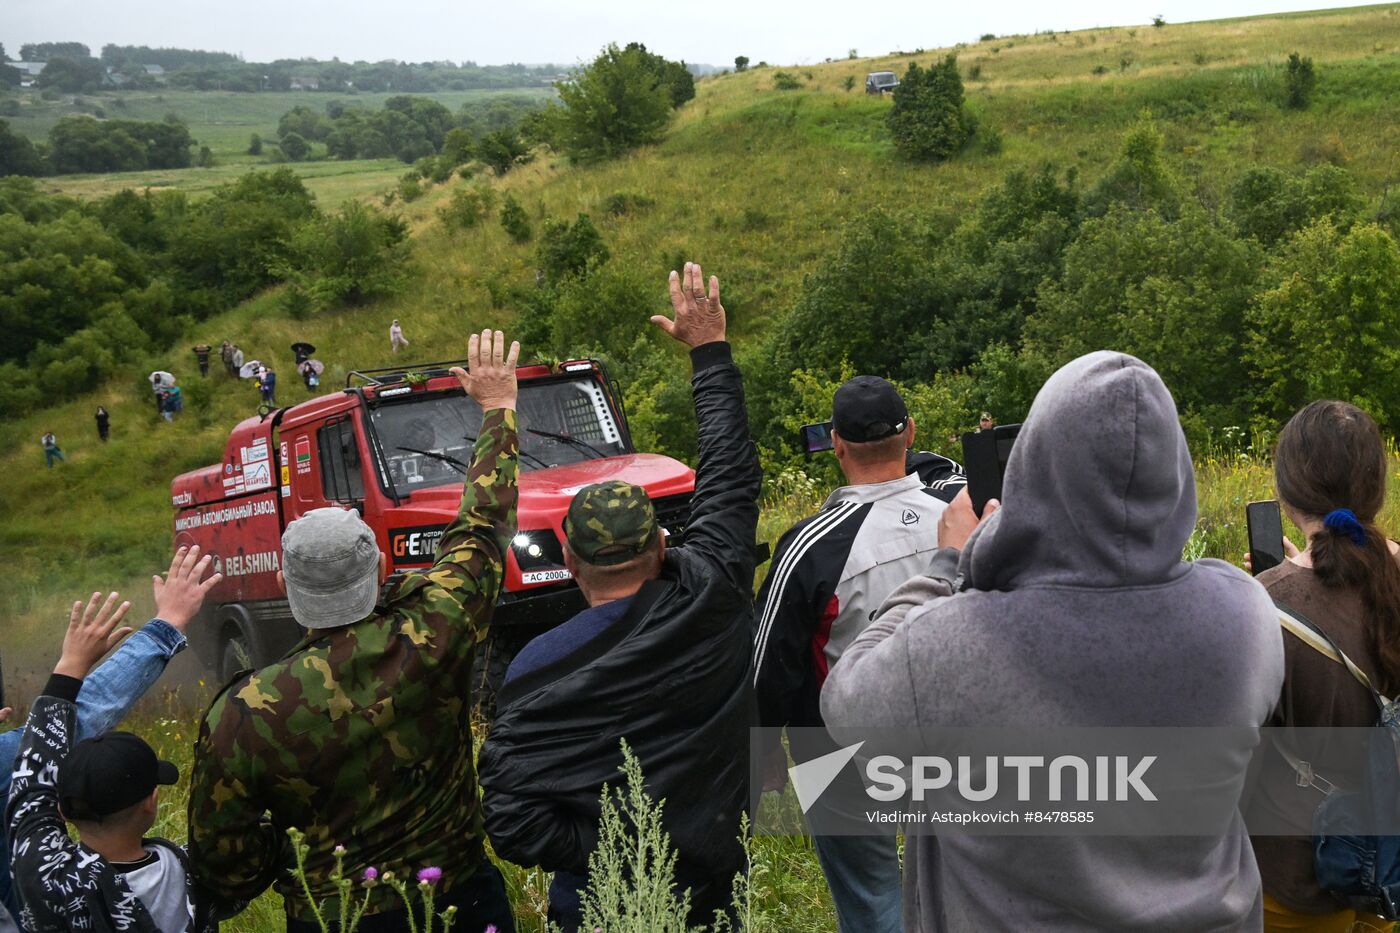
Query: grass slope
point(756, 183)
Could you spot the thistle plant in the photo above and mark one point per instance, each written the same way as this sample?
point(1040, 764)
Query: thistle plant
point(351, 912)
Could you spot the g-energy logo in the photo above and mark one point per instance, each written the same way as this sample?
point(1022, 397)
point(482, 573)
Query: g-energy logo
point(1023, 778)
point(414, 545)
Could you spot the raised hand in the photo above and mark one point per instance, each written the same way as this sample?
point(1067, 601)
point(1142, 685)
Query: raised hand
point(180, 595)
point(699, 317)
point(92, 632)
point(490, 374)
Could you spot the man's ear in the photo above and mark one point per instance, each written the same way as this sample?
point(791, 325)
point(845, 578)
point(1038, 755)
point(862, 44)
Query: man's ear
point(661, 547)
point(383, 567)
point(281, 583)
point(152, 803)
point(569, 563)
point(838, 446)
point(909, 434)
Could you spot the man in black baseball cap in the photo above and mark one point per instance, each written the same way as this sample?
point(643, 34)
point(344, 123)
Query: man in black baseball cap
point(830, 572)
point(105, 777)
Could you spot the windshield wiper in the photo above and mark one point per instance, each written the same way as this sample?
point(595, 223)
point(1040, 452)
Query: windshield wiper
point(572, 441)
point(450, 461)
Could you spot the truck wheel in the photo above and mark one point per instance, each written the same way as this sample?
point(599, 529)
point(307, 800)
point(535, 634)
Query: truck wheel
point(489, 670)
point(235, 654)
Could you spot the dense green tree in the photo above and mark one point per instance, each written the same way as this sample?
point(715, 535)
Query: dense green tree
point(18, 156)
point(741, 63)
point(929, 119)
point(82, 144)
point(1299, 79)
point(432, 118)
point(1140, 179)
point(613, 104)
point(352, 255)
point(255, 145)
point(1172, 292)
point(48, 51)
point(679, 82)
point(305, 122)
point(1269, 204)
point(1324, 323)
point(71, 75)
point(295, 147)
point(501, 149)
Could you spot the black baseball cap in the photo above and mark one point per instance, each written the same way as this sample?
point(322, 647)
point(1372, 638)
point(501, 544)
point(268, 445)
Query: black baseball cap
point(108, 773)
point(868, 408)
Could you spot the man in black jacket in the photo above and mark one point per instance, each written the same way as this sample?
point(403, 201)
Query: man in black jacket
point(660, 658)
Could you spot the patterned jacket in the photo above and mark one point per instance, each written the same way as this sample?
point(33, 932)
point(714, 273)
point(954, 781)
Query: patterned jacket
point(63, 885)
point(361, 736)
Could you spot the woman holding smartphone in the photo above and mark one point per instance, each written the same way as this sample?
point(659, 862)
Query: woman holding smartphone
point(1330, 472)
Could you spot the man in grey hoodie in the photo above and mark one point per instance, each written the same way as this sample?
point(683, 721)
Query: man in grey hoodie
point(1073, 608)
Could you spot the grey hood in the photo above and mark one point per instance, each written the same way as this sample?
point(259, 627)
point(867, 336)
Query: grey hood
point(1101, 461)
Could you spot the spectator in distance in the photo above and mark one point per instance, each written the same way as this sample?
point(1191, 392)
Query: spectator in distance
point(201, 355)
point(830, 572)
point(1330, 471)
point(361, 737)
point(1075, 609)
point(985, 423)
point(660, 658)
point(103, 423)
point(396, 337)
point(107, 786)
point(267, 386)
point(52, 451)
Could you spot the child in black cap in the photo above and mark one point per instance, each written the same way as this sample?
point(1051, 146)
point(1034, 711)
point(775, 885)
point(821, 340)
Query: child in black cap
point(108, 786)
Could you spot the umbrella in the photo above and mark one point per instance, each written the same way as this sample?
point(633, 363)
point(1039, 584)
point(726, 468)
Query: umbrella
point(250, 369)
point(316, 366)
point(302, 350)
point(161, 377)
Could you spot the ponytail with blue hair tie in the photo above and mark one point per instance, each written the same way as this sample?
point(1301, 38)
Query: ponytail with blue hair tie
point(1344, 521)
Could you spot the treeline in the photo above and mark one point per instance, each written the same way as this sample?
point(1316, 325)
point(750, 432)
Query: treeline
point(407, 127)
point(122, 56)
point(83, 144)
point(88, 287)
point(349, 77)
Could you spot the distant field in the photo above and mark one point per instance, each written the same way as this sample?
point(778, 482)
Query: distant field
point(223, 121)
point(332, 182)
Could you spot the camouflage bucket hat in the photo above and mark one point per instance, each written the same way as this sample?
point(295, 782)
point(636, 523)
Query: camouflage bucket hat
point(610, 523)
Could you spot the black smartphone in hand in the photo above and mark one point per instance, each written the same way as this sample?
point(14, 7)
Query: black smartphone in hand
point(1265, 535)
point(985, 454)
point(816, 437)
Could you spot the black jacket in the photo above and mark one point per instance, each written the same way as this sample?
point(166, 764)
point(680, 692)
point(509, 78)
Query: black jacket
point(671, 676)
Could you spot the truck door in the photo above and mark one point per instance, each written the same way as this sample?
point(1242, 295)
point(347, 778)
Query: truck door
point(324, 466)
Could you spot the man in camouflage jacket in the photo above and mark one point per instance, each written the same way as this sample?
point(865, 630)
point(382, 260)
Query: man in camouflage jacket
point(361, 736)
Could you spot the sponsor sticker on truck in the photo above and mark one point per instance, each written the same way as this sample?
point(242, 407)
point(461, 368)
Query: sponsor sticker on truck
point(414, 545)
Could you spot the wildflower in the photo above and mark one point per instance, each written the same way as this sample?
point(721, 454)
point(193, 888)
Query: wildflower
point(371, 875)
point(490, 928)
point(339, 850)
point(430, 875)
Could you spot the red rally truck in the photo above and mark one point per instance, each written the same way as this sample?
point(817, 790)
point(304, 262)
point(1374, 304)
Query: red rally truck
point(394, 445)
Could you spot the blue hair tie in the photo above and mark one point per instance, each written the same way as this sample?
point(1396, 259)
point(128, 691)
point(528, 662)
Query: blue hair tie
point(1344, 521)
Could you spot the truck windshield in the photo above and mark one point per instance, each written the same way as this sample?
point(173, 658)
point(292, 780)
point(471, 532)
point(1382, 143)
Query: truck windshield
point(427, 439)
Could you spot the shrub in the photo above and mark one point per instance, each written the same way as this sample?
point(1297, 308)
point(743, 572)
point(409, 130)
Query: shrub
point(741, 62)
point(974, 73)
point(1270, 205)
point(784, 81)
point(991, 141)
point(625, 202)
point(254, 145)
point(502, 149)
point(928, 120)
point(849, 83)
point(1158, 21)
point(514, 220)
point(567, 249)
point(1139, 179)
point(1299, 79)
point(295, 147)
point(1100, 69)
point(410, 189)
point(206, 157)
point(467, 207)
point(353, 255)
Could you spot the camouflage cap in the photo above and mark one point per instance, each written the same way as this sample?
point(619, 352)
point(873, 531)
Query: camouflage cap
point(610, 523)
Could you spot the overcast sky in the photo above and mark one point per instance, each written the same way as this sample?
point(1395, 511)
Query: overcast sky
point(567, 31)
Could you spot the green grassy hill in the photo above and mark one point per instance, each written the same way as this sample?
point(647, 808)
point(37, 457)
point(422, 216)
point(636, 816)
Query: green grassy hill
point(753, 181)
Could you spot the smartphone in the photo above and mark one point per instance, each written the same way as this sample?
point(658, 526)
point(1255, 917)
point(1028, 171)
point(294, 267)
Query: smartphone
point(985, 454)
point(815, 438)
point(1265, 535)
